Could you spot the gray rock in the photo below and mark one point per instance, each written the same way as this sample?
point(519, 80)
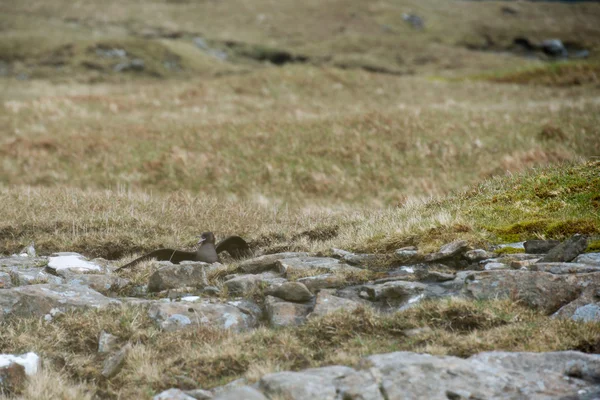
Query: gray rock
point(447, 251)
point(433, 276)
point(360, 385)
point(407, 255)
point(199, 394)
point(5, 280)
point(358, 259)
point(477, 255)
point(39, 300)
point(14, 371)
point(298, 386)
point(316, 264)
point(115, 362)
point(243, 285)
point(588, 258)
point(541, 290)
point(554, 48)
point(248, 307)
point(567, 250)
point(173, 394)
point(564, 268)
point(23, 262)
point(170, 316)
point(323, 281)
point(266, 262)
point(32, 276)
point(65, 263)
point(242, 392)
point(327, 303)
point(495, 266)
point(540, 246)
point(107, 343)
point(177, 276)
point(291, 291)
point(135, 65)
point(284, 313)
point(587, 313)
point(396, 293)
point(100, 283)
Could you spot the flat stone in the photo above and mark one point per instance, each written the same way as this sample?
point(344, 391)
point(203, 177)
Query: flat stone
point(398, 293)
point(174, 316)
point(495, 265)
point(567, 250)
point(39, 300)
point(588, 258)
point(540, 246)
point(71, 262)
point(477, 255)
point(177, 276)
point(100, 283)
point(241, 393)
point(23, 262)
point(327, 303)
point(564, 268)
point(173, 394)
point(243, 285)
point(323, 281)
point(358, 259)
point(449, 250)
point(267, 262)
point(284, 313)
point(298, 386)
point(291, 291)
point(317, 264)
point(360, 385)
point(33, 276)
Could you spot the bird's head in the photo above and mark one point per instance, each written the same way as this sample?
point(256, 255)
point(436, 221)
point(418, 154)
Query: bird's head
point(206, 237)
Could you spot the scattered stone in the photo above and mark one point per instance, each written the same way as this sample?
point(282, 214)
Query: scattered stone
point(173, 394)
point(588, 258)
point(327, 303)
point(107, 343)
point(178, 276)
point(515, 245)
point(407, 254)
point(267, 262)
point(291, 291)
point(71, 263)
point(433, 276)
point(115, 362)
point(567, 250)
point(284, 313)
point(174, 316)
point(39, 300)
point(540, 246)
point(564, 268)
point(242, 392)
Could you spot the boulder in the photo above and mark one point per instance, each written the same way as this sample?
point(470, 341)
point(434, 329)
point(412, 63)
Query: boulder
point(267, 262)
point(39, 300)
point(298, 386)
point(323, 281)
point(477, 255)
point(291, 291)
point(327, 302)
point(447, 251)
point(567, 250)
point(175, 316)
point(284, 313)
point(177, 276)
point(541, 290)
point(540, 246)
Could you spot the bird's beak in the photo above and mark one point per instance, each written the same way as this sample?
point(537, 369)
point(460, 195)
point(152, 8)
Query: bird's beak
point(201, 240)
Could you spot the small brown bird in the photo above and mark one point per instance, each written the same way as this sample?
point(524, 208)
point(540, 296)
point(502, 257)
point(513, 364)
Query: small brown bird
point(207, 252)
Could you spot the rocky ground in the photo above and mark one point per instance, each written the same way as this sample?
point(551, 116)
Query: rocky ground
point(288, 289)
